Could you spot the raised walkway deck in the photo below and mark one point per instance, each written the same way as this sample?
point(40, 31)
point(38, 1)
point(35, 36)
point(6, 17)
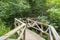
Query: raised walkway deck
point(32, 36)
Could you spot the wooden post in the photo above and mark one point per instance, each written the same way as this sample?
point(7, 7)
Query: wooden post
point(24, 34)
point(15, 22)
point(42, 29)
point(48, 37)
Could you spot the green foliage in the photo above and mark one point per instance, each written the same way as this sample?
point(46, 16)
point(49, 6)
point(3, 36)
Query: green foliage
point(54, 11)
point(3, 29)
point(47, 10)
point(3, 9)
point(12, 9)
point(43, 19)
point(38, 7)
point(53, 3)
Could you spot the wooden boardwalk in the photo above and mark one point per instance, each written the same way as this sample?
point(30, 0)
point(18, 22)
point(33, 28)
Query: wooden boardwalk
point(27, 34)
point(32, 36)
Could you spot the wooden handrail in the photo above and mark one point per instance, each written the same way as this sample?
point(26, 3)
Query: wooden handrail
point(21, 33)
point(19, 21)
point(39, 30)
point(46, 25)
point(7, 35)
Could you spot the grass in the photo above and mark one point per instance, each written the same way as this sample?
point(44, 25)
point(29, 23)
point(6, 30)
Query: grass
point(4, 30)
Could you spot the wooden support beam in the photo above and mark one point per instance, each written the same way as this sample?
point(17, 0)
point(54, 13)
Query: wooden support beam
point(20, 36)
point(39, 30)
point(44, 25)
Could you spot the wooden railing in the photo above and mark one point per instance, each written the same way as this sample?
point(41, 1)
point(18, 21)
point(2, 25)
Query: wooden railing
point(16, 29)
point(51, 32)
point(20, 27)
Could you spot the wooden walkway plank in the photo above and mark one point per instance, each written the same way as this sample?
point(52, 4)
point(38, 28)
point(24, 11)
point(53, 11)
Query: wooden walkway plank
point(32, 36)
